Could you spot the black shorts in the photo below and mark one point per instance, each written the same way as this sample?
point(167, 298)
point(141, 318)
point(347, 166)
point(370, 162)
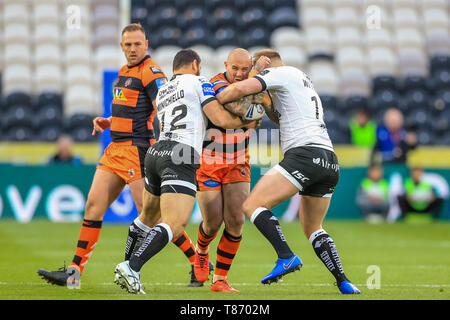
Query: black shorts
point(165, 173)
point(314, 171)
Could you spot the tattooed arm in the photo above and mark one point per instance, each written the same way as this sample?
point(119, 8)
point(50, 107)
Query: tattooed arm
point(239, 90)
point(265, 100)
point(272, 114)
point(240, 106)
point(225, 119)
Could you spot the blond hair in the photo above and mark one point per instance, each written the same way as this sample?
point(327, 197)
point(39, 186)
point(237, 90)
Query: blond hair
point(269, 53)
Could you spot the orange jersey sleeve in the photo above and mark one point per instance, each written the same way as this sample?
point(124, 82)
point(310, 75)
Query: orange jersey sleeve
point(132, 107)
point(219, 82)
point(152, 78)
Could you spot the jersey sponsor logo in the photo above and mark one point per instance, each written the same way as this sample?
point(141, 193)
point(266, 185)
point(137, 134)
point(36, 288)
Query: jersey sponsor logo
point(264, 72)
point(155, 70)
point(168, 89)
point(169, 174)
point(119, 95)
point(325, 164)
point(128, 82)
point(208, 90)
point(160, 82)
point(211, 183)
point(162, 153)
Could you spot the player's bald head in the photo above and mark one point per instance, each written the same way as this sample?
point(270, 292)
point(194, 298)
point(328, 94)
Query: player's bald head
point(238, 65)
point(239, 53)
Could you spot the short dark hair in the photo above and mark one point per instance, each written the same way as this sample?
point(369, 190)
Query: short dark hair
point(185, 57)
point(133, 27)
point(363, 110)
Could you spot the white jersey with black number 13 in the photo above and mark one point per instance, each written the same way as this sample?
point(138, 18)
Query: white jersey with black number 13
point(179, 108)
point(298, 106)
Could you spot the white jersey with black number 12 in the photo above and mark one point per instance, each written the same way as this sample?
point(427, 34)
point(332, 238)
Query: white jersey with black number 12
point(298, 107)
point(179, 108)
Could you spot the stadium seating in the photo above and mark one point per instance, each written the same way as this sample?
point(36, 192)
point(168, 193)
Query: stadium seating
point(403, 62)
point(17, 98)
point(79, 125)
point(18, 116)
point(48, 78)
point(58, 50)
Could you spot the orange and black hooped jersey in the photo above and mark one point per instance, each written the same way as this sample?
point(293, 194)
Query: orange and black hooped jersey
point(226, 146)
point(132, 108)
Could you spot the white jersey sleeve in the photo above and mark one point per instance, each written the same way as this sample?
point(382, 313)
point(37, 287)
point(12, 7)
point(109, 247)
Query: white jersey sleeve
point(298, 107)
point(205, 91)
point(270, 79)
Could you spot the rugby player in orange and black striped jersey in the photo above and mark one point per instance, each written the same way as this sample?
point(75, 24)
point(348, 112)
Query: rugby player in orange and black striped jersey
point(133, 112)
point(223, 182)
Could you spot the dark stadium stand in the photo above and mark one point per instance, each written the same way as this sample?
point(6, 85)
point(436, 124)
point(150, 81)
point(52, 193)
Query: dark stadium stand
point(405, 64)
point(79, 125)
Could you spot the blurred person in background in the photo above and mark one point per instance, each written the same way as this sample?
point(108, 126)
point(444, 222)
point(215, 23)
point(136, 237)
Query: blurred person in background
point(393, 141)
point(363, 130)
point(373, 195)
point(64, 152)
point(421, 201)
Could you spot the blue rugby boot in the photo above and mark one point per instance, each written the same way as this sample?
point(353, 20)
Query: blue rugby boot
point(347, 287)
point(282, 268)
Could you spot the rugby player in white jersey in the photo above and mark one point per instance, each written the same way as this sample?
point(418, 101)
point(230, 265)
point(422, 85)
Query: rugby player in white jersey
point(309, 166)
point(183, 104)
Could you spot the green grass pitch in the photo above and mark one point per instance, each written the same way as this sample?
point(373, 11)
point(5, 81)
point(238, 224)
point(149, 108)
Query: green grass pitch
point(413, 260)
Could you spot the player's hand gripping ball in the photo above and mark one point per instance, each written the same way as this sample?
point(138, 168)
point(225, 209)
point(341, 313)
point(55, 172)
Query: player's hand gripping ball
point(254, 112)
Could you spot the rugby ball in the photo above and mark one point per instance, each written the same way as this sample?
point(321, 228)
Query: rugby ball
point(254, 112)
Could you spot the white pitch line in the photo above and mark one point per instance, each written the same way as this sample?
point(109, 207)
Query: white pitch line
point(300, 285)
point(183, 284)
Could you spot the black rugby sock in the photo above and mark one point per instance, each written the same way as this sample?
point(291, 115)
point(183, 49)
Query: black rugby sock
point(326, 251)
point(269, 226)
point(155, 241)
point(137, 232)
